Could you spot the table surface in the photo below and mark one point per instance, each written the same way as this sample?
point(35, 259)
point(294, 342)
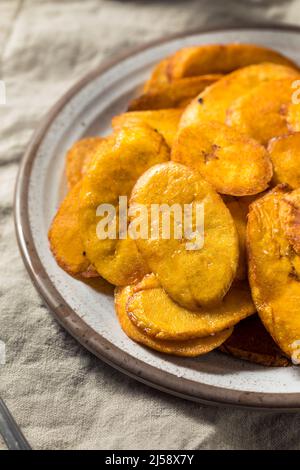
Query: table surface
point(61, 395)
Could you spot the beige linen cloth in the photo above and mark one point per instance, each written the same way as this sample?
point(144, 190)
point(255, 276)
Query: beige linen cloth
point(61, 395)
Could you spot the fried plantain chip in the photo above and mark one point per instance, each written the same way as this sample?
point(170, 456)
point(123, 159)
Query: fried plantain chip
point(154, 312)
point(172, 95)
point(165, 121)
point(220, 58)
point(213, 102)
point(188, 348)
point(158, 75)
point(64, 237)
point(239, 213)
point(261, 113)
point(78, 158)
point(251, 341)
point(114, 171)
point(232, 162)
point(284, 152)
point(192, 274)
point(289, 213)
point(274, 272)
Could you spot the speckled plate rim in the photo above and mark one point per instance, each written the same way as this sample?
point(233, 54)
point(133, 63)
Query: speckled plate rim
point(95, 343)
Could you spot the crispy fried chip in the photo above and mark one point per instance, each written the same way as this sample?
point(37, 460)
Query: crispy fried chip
point(274, 272)
point(213, 102)
point(188, 348)
point(261, 113)
point(153, 311)
point(78, 158)
point(251, 341)
point(284, 152)
point(220, 58)
point(64, 237)
point(239, 213)
point(158, 75)
point(232, 162)
point(193, 275)
point(289, 213)
point(172, 95)
point(165, 121)
point(113, 173)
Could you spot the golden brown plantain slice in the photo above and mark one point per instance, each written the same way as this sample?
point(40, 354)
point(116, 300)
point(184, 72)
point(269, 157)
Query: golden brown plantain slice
point(239, 213)
point(284, 152)
point(261, 113)
point(154, 312)
point(251, 341)
point(172, 95)
point(65, 240)
point(192, 274)
point(220, 58)
point(113, 173)
point(289, 213)
point(213, 102)
point(158, 76)
point(165, 121)
point(274, 272)
point(232, 162)
point(188, 348)
point(78, 158)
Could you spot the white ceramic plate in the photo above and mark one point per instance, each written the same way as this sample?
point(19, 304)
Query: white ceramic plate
point(89, 315)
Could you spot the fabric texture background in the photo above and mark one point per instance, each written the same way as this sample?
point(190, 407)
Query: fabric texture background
point(61, 395)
